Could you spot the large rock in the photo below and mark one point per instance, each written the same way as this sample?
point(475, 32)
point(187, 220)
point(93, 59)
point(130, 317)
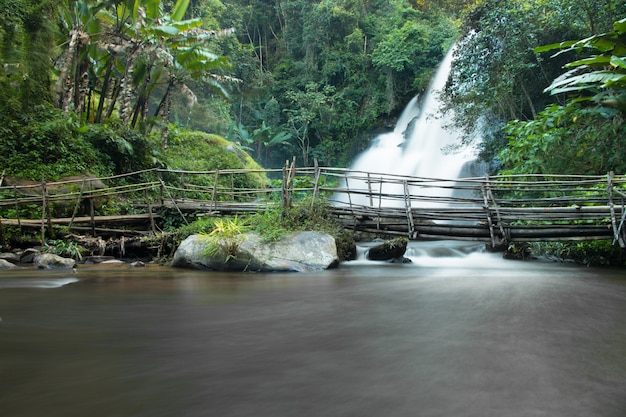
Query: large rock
point(301, 251)
point(50, 261)
point(10, 257)
point(29, 255)
point(390, 250)
point(4, 264)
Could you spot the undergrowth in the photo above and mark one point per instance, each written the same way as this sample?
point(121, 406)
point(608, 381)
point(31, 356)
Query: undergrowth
point(589, 253)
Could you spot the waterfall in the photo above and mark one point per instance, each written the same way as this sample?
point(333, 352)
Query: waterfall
point(423, 143)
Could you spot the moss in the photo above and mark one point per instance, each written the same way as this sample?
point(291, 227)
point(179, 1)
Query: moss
point(199, 151)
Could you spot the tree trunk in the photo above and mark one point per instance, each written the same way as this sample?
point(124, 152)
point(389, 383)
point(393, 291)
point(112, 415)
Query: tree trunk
point(63, 84)
point(104, 90)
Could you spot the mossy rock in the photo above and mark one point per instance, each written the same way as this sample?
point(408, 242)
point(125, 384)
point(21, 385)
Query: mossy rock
point(199, 151)
point(388, 250)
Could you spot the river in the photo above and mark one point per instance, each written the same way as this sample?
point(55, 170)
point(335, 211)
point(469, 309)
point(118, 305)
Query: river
point(454, 335)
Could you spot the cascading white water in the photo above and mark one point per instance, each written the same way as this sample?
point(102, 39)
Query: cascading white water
point(423, 143)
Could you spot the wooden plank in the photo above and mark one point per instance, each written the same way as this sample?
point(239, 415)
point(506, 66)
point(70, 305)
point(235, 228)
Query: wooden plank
point(129, 218)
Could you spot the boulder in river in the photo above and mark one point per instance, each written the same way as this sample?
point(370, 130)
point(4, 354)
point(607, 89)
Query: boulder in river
point(10, 257)
point(51, 261)
point(4, 264)
point(299, 252)
point(392, 250)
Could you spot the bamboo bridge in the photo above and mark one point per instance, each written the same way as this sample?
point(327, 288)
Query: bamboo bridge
point(497, 210)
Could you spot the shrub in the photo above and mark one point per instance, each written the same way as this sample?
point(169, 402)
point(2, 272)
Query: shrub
point(225, 238)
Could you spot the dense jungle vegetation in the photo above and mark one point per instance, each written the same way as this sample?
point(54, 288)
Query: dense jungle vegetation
point(111, 86)
point(105, 86)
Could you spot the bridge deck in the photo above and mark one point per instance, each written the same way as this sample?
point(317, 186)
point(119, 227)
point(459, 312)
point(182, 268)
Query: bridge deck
point(491, 209)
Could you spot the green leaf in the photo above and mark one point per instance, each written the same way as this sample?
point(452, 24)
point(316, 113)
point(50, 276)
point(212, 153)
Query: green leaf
point(553, 46)
point(136, 9)
point(599, 60)
point(185, 25)
point(620, 26)
point(166, 30)
point(583, 81)
point(180, 8)
point(617, 61)
point(152, 8)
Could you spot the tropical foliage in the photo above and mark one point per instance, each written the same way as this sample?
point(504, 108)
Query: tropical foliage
point(106, 85)
point(302, 78)
point(498, 76)
point(587, 134)
point(600, 78)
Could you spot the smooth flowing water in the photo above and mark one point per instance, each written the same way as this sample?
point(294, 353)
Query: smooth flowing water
point(455, 333)
point(423, 144)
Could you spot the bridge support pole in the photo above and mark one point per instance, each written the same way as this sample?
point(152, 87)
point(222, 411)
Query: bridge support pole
point(409, 211)
point(487, 196)
point(617, 231)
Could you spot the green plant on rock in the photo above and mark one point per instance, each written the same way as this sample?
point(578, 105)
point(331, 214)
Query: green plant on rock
point(225, 239)
point(62, 248)
point(306, 214)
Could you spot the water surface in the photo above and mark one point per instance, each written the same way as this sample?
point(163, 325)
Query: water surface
point(463, 335)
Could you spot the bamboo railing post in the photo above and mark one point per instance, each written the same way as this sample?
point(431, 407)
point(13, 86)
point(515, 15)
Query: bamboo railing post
point(292, 177)
point(316, 185)
point(380, 202)
point(287, 189)
point(622, 233)
point(150, 214)
point(488, 212)
point(182, 186)
point(80, 197)
point(348, 192)
point(232, 186)
point(44, 193)
point(2, 241)
point(92, 210)
point(161, 186)
point(369, 189)
point(175, 205)
point(497, 209)
point(620, 229)
point(17, 210)
point(214, 192)
point(409, 212)
point(284, 186)
point(616, 231)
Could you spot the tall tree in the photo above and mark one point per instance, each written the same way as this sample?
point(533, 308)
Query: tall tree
point(127, 51)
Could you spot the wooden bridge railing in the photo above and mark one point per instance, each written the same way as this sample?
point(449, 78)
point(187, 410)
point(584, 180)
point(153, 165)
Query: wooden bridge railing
point(498, 210)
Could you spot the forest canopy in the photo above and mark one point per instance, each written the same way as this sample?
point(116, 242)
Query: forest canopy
point(105, 86)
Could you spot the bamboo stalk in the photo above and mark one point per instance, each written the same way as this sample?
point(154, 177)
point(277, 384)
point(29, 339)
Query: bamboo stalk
point(152, 225)
point(570, 199)
point(17, 210)
point(409, 213)
point(316, 183)
point(80, 196)
point(2, 241)
point(488, 214)
point(43, 211)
